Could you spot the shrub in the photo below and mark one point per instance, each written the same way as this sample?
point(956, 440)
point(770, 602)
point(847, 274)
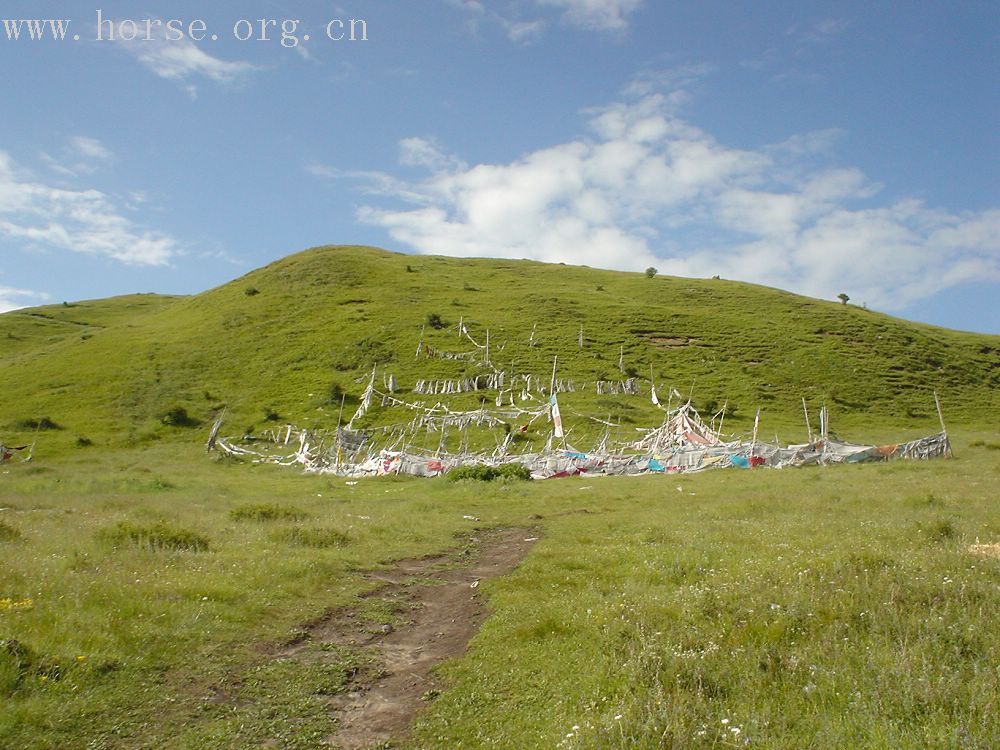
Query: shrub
point(8, 533)
point(267, 512)
point(19, 663)
point(651, 272)
point(337, 394)
point(157, 536)
point(941, 530)
point(271, 415)
point(177, 416)
point(83, 441)
point(37, 423)
point(434, 321)
point(251, 291)
point(320, 538)
point(483, 473)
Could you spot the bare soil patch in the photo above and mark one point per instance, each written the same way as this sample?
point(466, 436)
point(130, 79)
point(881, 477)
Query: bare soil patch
point(431, 608)
point(985, 550)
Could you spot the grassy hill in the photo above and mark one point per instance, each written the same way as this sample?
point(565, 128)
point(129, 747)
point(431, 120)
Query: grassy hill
point(282, 343)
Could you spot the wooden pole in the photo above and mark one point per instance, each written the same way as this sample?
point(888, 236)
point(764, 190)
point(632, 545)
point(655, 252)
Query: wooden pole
point(756, 423)
point(340, 419)
point(944, 431)
point(809, 428)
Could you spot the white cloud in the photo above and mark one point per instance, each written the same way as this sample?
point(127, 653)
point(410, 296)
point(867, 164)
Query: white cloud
point(599, 15)
point(183, 60)
point(648, 188)
point(90, 148)
point(519, 20)
point(75, 219)
point(819, 32)
point(13, 299)
point(426, 152)
point(81, 155)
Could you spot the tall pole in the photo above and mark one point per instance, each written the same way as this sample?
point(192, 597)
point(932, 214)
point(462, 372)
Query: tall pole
point(944, 431)
point(340, 419)
point(809, 428)
point(756, 423)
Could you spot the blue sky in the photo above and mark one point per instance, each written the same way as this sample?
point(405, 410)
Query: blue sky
point(816, 147)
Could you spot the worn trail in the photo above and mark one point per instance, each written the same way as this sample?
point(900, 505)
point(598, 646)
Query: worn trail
point(437, 610)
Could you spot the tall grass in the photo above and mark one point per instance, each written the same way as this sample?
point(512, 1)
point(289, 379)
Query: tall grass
point(821, 607)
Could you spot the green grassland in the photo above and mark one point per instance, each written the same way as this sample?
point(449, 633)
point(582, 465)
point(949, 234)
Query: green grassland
point(146, 589)
point(283, 341)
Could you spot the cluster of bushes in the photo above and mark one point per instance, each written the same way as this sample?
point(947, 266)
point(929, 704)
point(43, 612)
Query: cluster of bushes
point(9, 533)
point(482, 473)
point(267, 512)
point(36, 423)
point(157, 536)
point(178, 416)
point(319, 538)
point(20, 664)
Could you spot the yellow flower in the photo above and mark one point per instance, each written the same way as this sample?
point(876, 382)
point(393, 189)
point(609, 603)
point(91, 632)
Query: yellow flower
point(11, 605)
point(81, 658)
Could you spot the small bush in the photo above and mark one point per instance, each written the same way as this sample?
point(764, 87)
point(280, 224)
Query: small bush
point(320, 538)
point(271, 415)
point(483, 473)
point(337, 393)
point(651, 272)
point(19, 664)
point(37, 423)
point(984, 444)
point(251, 291)
point(9, 533)
point(83, 441)
point(267, 512)
point(940, 530)
point(178, 416)
point(157, 536)
point(434, 321)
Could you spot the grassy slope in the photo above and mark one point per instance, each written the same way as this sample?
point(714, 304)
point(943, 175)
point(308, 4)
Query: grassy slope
point(108, 369)
point(815, 608)
point(809, 608)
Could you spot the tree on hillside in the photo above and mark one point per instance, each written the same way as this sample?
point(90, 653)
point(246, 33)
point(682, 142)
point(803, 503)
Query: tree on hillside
point(651, 272)
point(844, 299)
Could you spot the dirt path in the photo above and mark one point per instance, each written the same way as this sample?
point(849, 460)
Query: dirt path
point(437, 610)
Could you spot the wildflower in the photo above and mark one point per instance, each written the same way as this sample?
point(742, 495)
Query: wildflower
point(81, 658)
point(10, 605)
point(725, 721)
